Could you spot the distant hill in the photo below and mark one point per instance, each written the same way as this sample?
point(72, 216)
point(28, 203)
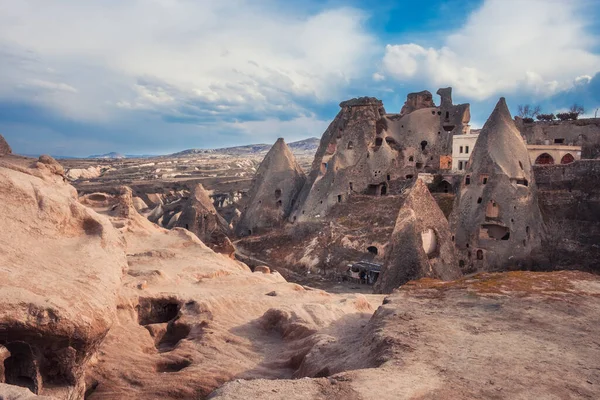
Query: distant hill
point(108, 155)
point(306, 146)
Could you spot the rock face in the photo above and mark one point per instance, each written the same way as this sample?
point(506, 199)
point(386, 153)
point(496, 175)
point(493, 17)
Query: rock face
point(61, 267)
point(276, 185)
point(515, 335)
point(200, 217)
point(366, 151)
point(421, 244)
point(416, 101)
point(496, 218)
point(4, 147)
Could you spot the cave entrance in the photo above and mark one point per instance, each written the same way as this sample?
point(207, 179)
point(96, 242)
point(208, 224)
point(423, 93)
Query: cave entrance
point(383, 190)
point(495, 232)
point(372, 250)
point(20, 368)
point(423, 145)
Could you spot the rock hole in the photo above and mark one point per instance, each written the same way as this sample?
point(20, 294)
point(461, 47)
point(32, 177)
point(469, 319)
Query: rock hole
point(423, 145)
point(372, 250)
point(156, 311)
point(277, 193)
point(91, 389)
point(350, 145)
point(20, 368)
point(92, 227)
point(172, 366)
point(339, 198)
point(176, 332)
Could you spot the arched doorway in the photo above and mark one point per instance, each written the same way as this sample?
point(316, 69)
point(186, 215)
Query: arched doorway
point(567, 159)
point(544, 159)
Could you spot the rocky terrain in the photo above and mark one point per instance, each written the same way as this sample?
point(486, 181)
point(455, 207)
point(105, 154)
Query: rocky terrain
point(202, 274)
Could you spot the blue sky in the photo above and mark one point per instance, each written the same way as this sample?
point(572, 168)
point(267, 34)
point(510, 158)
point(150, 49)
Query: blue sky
point(158, 76)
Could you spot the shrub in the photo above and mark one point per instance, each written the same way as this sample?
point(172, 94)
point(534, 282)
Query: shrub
point(546, 117)
point(528, 120)
point(568, 116)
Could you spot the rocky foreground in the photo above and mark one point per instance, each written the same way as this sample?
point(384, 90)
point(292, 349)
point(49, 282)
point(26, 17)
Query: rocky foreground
point(107, 305)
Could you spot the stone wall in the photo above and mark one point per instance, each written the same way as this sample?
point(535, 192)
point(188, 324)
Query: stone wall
point(569, 197)
point(581, 132)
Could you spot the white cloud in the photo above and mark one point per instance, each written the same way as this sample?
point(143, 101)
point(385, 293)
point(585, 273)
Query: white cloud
point(236, 51)
point(377, 77)
point(538, 46)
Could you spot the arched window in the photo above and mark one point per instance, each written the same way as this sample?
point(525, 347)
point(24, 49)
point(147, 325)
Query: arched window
point(567, 159)
point(480, 254)
point(544, 159)
point(423, 145)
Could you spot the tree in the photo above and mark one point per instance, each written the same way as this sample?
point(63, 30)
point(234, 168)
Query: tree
point(528, 111)
point(576, 108)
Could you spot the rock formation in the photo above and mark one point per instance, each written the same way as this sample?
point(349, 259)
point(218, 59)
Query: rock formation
point(60, 268)
point(496, 218)
point(200, 217)
point(276, 185)
point(365, 150)
point(416, 101)
point(420, 245)
point(4, 147)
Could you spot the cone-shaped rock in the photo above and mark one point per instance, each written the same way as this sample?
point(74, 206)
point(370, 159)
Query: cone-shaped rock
point(420, 245)
point(276, 185)
point(4, 147)
point(496, 217)
point(200, 217)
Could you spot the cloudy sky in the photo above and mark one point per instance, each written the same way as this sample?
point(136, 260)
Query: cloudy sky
point(81, 77)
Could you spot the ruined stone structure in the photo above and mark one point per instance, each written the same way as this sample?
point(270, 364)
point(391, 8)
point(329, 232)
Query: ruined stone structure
point(581, 132)
point(364, 150)
point(276, 185)
point(569, 198)
point(421, 243)
point(496, 217)
point(416, 101)
point(4, 147)
point(200, 217)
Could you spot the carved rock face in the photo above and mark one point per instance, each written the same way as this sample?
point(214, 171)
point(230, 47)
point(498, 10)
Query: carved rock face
point(61, 267)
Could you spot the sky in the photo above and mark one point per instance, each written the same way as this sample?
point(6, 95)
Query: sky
point(81, 77)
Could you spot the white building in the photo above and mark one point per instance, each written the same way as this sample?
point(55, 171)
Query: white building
point(462, 146)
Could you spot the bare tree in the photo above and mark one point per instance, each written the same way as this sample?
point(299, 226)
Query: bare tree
point(576, 108)
point(528, 111)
